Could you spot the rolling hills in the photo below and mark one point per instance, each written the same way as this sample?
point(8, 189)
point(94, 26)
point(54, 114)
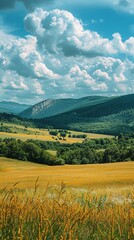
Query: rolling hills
point(51, 107)
point(105, 115)
point(12, 107)
point(112, 116)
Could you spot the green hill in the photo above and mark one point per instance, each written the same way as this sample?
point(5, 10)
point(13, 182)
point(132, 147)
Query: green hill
point(51, 107)
point(12, 107)
point(14, 119)
point(111, 117)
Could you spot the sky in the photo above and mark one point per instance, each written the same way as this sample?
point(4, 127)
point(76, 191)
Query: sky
point(65, 49)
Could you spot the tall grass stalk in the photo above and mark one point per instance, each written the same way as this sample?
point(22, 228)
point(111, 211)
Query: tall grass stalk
point(59, 213)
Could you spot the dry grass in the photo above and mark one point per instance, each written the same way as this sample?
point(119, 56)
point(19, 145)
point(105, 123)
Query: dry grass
point(96, 203)
point(62, 214)
point(96, 175)
point(43, 137)
point(43, 134)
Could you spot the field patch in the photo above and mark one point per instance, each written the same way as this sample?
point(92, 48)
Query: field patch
point(96, 175)
point(66, 202)
point(23, 133)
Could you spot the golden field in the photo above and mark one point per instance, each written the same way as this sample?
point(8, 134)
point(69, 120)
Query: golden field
point(84, 202)
point(42, 137)
point(20, 132)
point(95, 175)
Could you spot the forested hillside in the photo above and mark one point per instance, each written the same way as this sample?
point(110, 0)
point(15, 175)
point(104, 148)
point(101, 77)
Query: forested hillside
point(12, 107)
point(91, 151)
point(111, 117)
point(51, 107)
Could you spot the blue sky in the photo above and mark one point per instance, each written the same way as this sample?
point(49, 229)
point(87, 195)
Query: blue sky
point(57, 49)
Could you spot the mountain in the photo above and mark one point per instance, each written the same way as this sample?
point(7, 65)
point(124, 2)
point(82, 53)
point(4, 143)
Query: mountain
point(51, 107)
point(102, 115)
point(12, 107)
point(112, 116)
point(15, 119)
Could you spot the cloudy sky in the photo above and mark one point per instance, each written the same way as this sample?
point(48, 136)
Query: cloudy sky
point(61, 49)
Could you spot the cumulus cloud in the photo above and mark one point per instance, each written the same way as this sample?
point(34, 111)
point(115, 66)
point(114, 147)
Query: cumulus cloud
point(58, 31)
point(99, 74)
point(22, 56)
point(19, 89)
point(62, 59)
point(103, 74)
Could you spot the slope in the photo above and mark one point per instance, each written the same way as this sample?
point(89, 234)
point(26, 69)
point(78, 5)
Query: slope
point(51, 107)
point(113, 116)
point(12, 107)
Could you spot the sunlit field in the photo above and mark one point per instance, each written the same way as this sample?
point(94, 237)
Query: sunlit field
point(96, 175)
point(20, 132)
point(66, 202)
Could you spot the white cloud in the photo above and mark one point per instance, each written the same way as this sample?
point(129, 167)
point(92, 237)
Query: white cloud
point(119, 77)
point(99, 74)
point(17, 88)
point(22, 56)
point(61, 58)
point(58, 32)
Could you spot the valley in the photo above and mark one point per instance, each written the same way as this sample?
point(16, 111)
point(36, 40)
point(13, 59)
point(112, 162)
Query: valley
point(66, 120)
point(23, 133)
point(69, 176)
point(100, 115)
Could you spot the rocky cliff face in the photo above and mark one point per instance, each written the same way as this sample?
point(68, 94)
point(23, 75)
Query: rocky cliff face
point(49, 107)
point(39, 107)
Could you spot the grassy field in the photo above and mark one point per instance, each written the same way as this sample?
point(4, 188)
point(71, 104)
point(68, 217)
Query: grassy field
point(20, 132)
point(86, 202)
point(81, 176)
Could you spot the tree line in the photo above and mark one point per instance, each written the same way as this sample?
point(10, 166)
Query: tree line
point(117, 149)
point(27, 151)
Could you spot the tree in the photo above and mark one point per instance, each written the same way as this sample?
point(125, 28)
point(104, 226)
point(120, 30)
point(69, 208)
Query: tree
point(46, 158)
point(32, 151)
point(3, 149)
point(53, 132)
point(84, 161)
point(63, 134)
point(111, 154)
point(131, 153)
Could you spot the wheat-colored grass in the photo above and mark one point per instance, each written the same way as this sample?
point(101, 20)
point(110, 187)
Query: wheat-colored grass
point(96, 175)
point(89, 202)
point(59, 213)
point(43, 134)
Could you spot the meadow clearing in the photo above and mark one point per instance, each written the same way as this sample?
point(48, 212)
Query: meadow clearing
point(20, 132)
point(80, 202)
point(85, 176)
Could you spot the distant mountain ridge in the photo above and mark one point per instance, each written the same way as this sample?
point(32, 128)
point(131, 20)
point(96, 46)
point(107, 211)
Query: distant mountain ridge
point(12, 107)
point(90, 114)
point(51, 107)
point(112, 116)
